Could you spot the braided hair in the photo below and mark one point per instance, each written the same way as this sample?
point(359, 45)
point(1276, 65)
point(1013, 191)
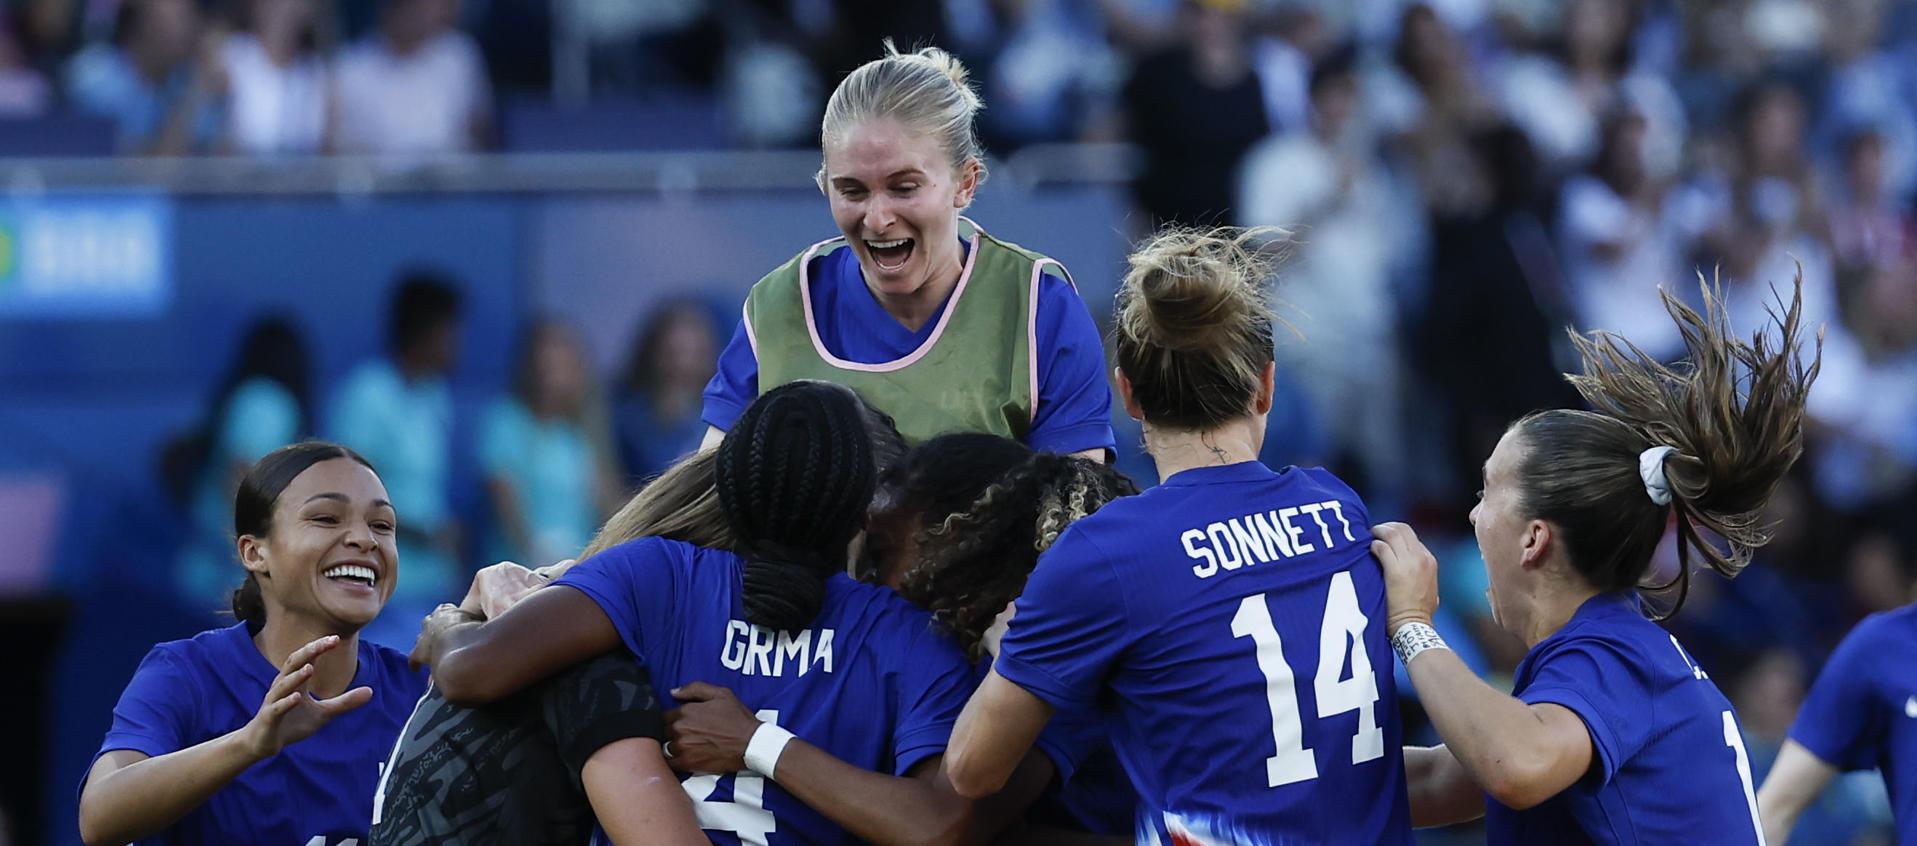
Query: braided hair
point(975, 561)
point(794, 476)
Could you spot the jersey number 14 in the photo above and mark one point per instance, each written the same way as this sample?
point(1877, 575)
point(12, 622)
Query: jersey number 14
point(1341, 636)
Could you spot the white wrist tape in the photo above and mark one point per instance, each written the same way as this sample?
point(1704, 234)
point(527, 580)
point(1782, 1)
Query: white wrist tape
point(1413, 638)
point(763, 750)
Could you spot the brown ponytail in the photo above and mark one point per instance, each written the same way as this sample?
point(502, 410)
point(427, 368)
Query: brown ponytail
point(1732, 411)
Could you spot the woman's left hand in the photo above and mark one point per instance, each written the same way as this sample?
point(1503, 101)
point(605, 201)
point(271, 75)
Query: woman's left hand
point(1410, 575)
point(709, 731)
point(444, 617)
point(499, 587)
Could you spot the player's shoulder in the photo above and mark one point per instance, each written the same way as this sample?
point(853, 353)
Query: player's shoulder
point(884, 613)
point(865, 600)
point(654, 547)
point(1319, 478)
point(208, 648)
point(1894, 626)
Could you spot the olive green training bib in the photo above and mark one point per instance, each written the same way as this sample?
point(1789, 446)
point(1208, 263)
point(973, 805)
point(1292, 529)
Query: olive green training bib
point(976, 371)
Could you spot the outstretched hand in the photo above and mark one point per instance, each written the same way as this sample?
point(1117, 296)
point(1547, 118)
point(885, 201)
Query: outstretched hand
point(290, 713)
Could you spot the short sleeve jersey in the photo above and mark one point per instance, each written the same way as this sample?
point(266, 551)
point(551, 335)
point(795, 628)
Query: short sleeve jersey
point(1230, 624)
point(1862, 711)
point(1074, 399)
point(871, 680)
point(1669, 761)
point(317, 791)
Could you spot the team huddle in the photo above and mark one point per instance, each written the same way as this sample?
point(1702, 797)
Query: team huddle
point(901, 596)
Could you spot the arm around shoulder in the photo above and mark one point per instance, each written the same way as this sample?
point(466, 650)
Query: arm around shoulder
point(551, 629)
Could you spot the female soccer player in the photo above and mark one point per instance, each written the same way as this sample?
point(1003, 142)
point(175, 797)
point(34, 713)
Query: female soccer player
point(972, 563)
point(956, 526)
point(582, 748)
point(1188, 614)
point(206, 744)
point(924, 314)
point(855, 670)
point(1613, 734)
point(1861, 714)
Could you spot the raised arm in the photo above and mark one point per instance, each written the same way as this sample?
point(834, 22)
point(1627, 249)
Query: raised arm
point(1520, 753)
point(478, 662)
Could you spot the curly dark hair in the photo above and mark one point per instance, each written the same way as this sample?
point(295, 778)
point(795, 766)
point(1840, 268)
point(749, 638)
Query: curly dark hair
point(975, 561)
point(929, 483)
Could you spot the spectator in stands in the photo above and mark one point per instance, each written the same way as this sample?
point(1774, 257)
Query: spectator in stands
point(398, 412)
point(276, 100)
point(23, 90)
point(657, 415)
point(1619, 244)
point(1195, 109)
point(1325, 181)
point(1445, 104)
point(415, 88)
point(1869, 225)
point(549, 470)
point(260, 405)
point(158, 79)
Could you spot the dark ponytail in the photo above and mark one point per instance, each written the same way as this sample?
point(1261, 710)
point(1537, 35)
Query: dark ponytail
point(795, 475)
point(253, 506)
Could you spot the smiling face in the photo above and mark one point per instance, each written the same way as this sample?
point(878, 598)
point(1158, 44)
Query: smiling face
point(896, 197)
point(329, 553)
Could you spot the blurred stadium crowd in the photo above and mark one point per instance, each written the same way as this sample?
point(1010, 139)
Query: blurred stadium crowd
point(1465, 178)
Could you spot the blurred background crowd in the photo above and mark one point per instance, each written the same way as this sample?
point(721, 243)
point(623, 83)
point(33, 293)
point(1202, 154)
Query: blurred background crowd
point(1464, 178)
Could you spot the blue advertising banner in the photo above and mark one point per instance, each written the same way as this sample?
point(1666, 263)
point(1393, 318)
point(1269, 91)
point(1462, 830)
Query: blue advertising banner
point(85, 256)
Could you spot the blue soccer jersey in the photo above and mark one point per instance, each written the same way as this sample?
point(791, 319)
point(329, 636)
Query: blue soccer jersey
point(1669, 764)
point(1862, 712)
point(1230, 624)
point(317, 792)
point(1074, 399)
point(870, 681)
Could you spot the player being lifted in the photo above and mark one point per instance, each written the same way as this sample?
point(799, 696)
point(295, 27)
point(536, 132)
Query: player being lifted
point(942, 326)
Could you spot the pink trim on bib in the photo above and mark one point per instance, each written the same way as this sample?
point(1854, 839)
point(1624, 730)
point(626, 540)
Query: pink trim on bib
point(951, 306)
point(1031, 326)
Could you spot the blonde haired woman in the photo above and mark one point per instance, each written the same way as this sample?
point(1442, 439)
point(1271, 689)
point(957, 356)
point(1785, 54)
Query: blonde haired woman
point(919, 310)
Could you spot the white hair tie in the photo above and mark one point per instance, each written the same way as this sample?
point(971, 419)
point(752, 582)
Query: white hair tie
point(1650, 468)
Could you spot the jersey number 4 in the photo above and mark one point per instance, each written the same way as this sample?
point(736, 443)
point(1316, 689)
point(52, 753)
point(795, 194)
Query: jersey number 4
point(1341, 635)
point(745, 815)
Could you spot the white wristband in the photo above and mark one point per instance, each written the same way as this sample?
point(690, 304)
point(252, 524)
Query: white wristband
point(1413, 638)
point(763, 750)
